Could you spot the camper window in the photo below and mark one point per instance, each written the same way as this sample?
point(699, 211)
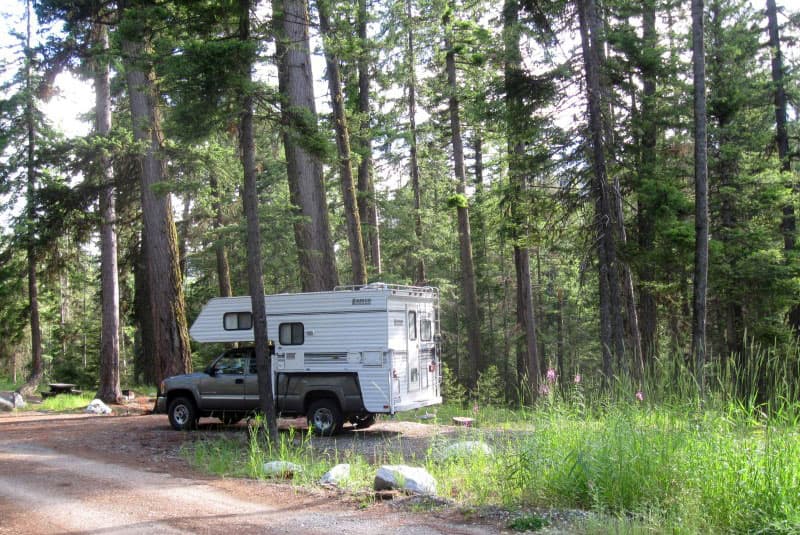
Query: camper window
point(237, 321)
point(412, 325)
point(291, 334)
point(425, 330)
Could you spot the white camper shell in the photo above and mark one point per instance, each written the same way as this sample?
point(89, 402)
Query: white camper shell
point(386, 334)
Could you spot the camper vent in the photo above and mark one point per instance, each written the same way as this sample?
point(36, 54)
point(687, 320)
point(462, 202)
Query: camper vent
point(326, 358)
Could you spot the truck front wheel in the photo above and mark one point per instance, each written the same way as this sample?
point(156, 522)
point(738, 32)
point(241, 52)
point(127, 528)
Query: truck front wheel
point(325, 417)
point(182, 414)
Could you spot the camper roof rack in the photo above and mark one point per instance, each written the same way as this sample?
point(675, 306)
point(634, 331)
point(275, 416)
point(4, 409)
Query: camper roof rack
point(386, 286)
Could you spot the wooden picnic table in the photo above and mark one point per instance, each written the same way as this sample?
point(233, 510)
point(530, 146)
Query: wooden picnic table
point(60, 388)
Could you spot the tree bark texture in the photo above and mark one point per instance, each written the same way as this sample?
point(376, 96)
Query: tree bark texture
point(468, 284)
point(37, 363)
point(421, 276)
point(109, 388)
point(701, 196)
point(144, 364)
point(351, 210)
point(255, 276)
point(367, 204)
point(306, 186)
point(170, 349)
point(611, 329)
point(221, 252)
point(527, 351)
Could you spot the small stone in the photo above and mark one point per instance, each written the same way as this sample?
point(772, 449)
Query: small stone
point(336, 475)
point(464, 421)
point(467, 449)
point(283, 469)
point(98, 407)
point(408, 478)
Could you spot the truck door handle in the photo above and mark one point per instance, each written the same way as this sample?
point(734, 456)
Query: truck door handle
point(239, 381)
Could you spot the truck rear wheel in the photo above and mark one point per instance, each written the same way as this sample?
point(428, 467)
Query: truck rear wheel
point(364, 421)
point(182, 414)
point(325, 417)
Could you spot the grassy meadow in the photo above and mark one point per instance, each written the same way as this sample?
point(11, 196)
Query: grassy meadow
point(637, 464)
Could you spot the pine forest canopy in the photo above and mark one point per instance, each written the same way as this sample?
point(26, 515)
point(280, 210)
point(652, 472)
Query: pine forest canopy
point(553, 167)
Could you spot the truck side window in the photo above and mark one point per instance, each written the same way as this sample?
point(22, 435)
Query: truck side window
point(425, 332)
point(230, 365)
point(291, 334)
point(412, 325)
point(237, 321)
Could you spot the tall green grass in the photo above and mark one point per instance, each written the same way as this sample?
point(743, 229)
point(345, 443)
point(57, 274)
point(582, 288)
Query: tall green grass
point(61, 403)
point(726, 462)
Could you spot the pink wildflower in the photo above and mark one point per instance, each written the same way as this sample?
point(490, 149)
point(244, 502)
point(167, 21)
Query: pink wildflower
point(551, 375)
point(640, 395)
point(577, 378)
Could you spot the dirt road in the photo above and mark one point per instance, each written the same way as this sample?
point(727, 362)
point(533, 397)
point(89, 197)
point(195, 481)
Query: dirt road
point(95, 474)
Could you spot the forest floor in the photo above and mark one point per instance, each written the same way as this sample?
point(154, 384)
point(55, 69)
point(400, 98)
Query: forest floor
point(79, 473)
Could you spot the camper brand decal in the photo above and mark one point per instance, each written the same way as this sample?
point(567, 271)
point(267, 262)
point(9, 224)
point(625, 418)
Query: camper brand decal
point(362, 300)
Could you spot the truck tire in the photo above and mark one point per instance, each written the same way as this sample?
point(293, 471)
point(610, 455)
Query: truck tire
point(182, 414)
point(325, 417)
point(363, 422)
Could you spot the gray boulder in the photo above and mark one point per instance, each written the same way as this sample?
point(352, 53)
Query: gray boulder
point(281, 469)
point(10, 401)
point(408, 478)
point(98, 407)
point(336, 475)
point(466, 449)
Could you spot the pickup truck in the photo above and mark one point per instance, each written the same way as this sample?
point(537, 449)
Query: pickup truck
point(228, 389)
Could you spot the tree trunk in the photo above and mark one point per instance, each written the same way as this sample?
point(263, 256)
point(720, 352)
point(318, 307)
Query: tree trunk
point(367, 204)
point(465, 239)
point(255, 276)
point(701, 197)
point(611, 332)
point(165, 291)
point(223, 267)
point(306, 186)
point(789, 224)
point(647, 169)
point(351, 210)
point(109, 388)
point(37, 363)
point(421, 276)
point(527, 350)
point(144, 365)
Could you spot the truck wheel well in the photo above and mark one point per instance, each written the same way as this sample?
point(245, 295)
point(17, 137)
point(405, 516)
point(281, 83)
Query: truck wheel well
point(180, 393)
point(315, 395)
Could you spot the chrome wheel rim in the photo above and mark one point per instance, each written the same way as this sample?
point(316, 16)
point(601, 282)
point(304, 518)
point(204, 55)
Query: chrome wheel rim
point(181, 414)
point(323, 419)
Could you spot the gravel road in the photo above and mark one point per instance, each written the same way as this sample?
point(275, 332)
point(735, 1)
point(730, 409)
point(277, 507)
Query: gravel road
point(123, 474)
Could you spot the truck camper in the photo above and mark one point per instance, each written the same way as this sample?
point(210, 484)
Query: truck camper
point(344, 355)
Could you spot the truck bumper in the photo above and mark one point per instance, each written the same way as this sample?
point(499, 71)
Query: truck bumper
point(161, 405)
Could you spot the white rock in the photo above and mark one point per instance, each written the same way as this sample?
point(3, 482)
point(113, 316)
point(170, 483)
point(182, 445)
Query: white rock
point(11, 400)
point(467, 449)
point(336, 475)
point(282, 469)
point(409, 478)
point(98, 407)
